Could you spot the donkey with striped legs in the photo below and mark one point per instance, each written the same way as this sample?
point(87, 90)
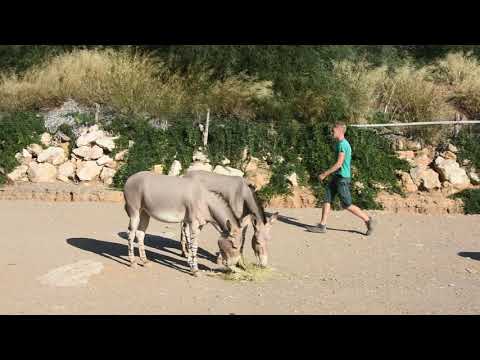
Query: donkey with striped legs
point(174, 200)
point(241, 198)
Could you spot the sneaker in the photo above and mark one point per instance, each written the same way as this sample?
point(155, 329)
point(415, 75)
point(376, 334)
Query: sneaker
point(321, 229)
point(370, 225)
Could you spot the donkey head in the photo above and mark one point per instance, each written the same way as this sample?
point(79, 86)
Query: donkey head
point(261, 237)
point(229, 244)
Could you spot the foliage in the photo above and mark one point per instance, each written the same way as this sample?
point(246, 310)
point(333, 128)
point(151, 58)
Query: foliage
point(17, 131)
point(471, 201)
point(154, 145)
point(468, 144)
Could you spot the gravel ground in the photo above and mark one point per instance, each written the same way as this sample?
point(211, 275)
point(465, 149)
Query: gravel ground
point(69, 258)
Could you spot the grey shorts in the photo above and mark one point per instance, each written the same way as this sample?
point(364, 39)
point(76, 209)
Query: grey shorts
point(339, 186)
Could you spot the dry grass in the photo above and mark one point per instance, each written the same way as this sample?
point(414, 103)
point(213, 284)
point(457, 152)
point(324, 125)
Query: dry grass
point(460, 74)
point(408, 96)
point(362, 85)
point(127, 82)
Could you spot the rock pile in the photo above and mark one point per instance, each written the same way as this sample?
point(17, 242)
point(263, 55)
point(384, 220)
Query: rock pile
point(434, 170)
point(89, 161)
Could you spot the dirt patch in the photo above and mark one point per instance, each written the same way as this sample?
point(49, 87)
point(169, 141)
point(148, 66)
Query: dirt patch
point(412, 264)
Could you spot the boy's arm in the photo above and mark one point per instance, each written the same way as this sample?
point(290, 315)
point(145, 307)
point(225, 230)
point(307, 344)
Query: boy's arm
point(338, 165)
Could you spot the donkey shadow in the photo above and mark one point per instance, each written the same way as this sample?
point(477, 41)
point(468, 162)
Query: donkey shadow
point(292, 221)
point(119, 252)
point(470, 255)
point(165, 245)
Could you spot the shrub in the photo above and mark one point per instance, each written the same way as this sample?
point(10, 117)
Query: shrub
point(468, 144)
point(460, 74)
point(471, 201)
point(17, 131)
point(154, 145)
point(361, 85)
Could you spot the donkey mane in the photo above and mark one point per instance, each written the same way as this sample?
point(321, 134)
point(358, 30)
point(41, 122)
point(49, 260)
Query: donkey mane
point(227, 204)
point(257, 202)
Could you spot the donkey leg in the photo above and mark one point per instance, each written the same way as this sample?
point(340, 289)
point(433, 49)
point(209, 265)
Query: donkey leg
point(183, 239)
point(134, 222)
point(193, 247)
point(142, 228)
point(241, 263)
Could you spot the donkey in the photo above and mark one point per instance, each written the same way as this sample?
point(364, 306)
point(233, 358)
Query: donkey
point(242, 200)
point(174, 200)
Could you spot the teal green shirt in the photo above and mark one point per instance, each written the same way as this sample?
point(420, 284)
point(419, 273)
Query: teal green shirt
point(344, 146)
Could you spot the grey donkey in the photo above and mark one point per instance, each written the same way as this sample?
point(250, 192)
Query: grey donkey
point(174, 200)
point(241, 198)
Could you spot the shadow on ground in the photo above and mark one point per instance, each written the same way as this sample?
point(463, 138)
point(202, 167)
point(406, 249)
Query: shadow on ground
point(119, 252)
point(470, 255)
point(292, 221)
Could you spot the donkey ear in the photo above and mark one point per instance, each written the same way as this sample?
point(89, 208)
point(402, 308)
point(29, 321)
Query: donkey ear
point(273, 218)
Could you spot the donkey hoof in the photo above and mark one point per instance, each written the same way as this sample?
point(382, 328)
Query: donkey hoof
point(133, 265)
point(195, 273)
point(147, 264)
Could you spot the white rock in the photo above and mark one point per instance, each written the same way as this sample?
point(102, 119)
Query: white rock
point(107, 143)
point(46, 139)
point(63, 179)
point(107, 175)
point(93, 128)
point(88, 170)
point(452, 148)
point(225, 161)
point(407, 182)
point(473, 175)
point(67, 170)
point(175, 169)
point(131, 143)
point(425, 178)
point(89, 153)
point(200, 157)
point(24, 158)
point(227, 170)
point(200, 166)
point(35, 149)
point(105, 159)
point(121, 155)
point(451, 171)
point(39, 173)
point(158, 169)
point(52, 155)
point(89, 138)
point(18, 174)
point(293, 179)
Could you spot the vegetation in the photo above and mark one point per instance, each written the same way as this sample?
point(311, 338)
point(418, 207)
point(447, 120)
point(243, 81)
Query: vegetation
point(276, 100)
point(17, 131)
point(471, 201)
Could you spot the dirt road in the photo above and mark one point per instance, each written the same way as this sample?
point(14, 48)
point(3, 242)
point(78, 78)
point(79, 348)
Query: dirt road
point(70, 259)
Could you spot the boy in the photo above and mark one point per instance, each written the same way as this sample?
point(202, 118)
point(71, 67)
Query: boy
point(340, 183)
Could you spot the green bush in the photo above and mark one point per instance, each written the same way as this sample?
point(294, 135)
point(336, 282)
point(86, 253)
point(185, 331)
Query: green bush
point(471, 201)
point(306, 149)
point(153, 146)
point(468, 144)
point(17, 131)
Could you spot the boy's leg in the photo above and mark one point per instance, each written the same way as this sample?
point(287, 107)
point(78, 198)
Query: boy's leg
point(346, 197)
point(325, 213)
point(330, 192)
point(355, 210)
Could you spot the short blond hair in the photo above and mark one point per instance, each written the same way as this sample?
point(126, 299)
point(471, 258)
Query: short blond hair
point(342, 126)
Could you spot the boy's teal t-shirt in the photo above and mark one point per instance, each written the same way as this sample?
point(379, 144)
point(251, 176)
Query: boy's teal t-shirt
point(344, 146)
